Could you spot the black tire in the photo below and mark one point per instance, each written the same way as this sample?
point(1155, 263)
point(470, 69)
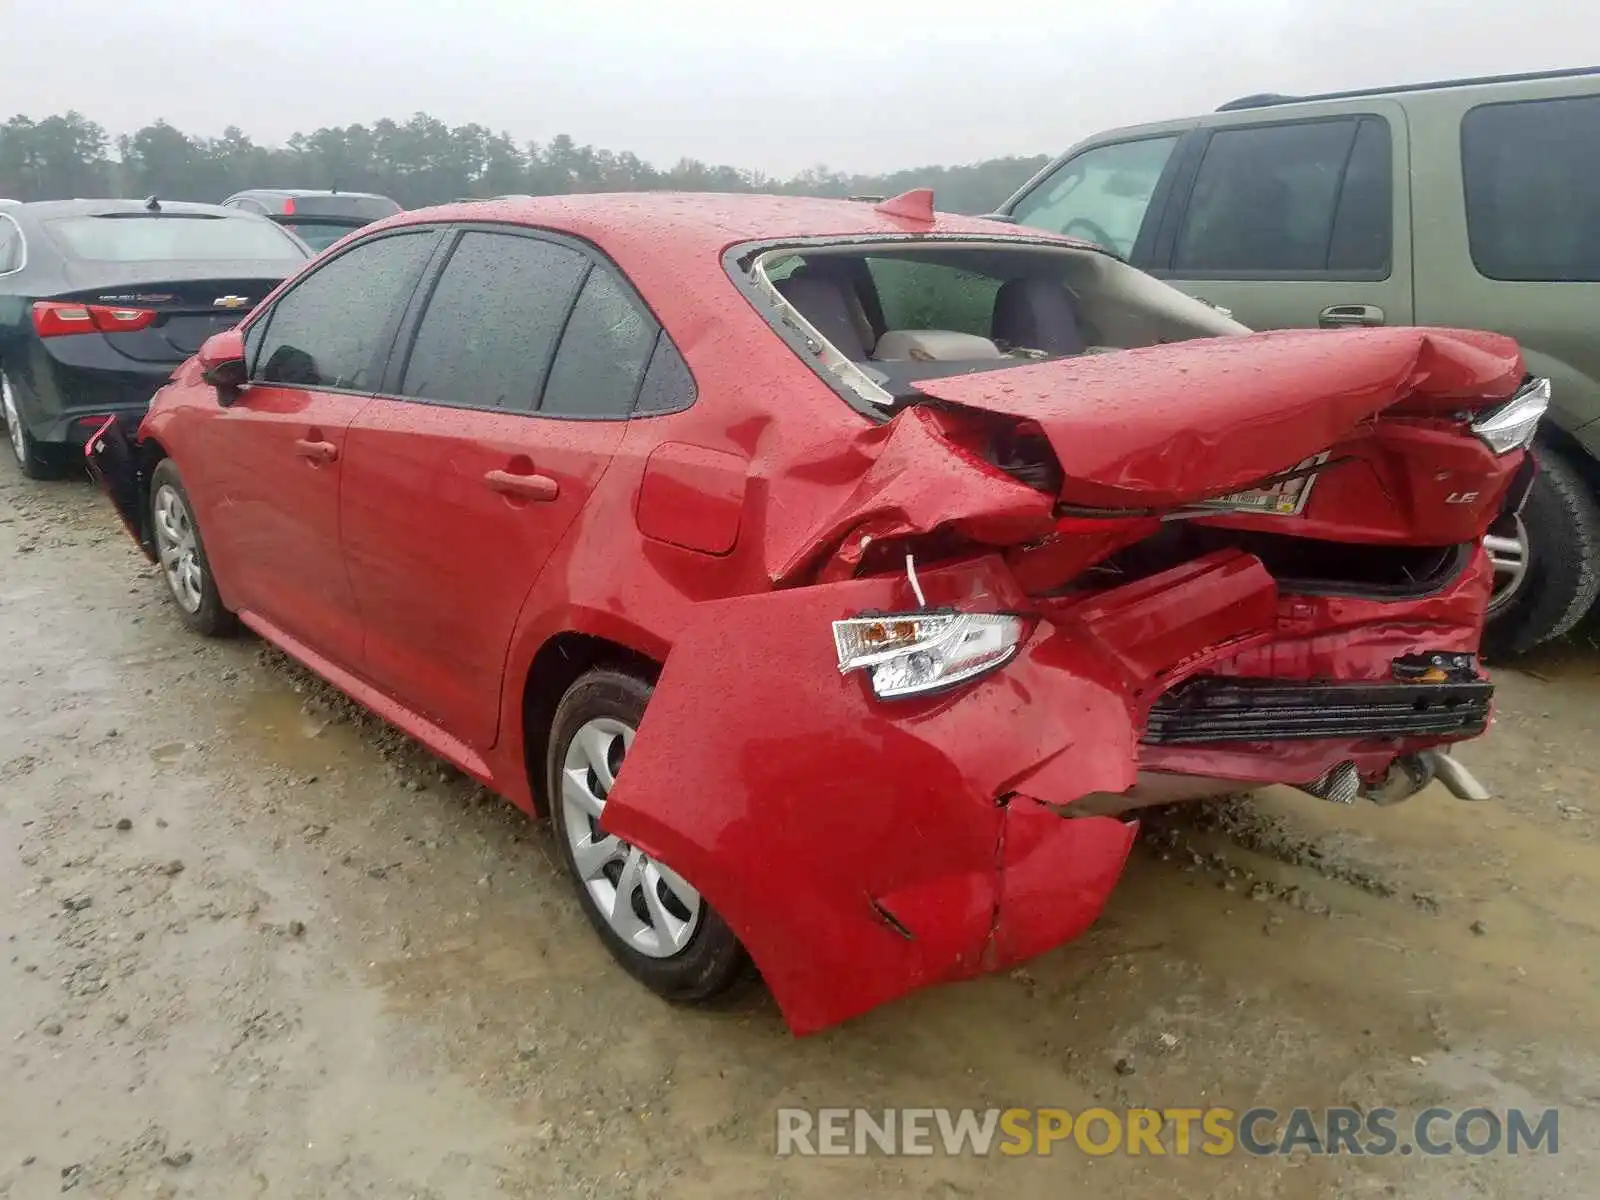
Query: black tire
point(1563, 526)
point(34, 459)
point(211, 618)
point(712, 961)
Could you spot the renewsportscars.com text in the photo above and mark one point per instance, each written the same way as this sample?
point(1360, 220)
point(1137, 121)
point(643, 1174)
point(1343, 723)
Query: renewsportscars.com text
point(1213, 1131)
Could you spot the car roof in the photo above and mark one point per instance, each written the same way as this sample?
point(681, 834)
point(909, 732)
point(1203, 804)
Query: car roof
point(107, 207)
point(308, 192)
point(702, 224)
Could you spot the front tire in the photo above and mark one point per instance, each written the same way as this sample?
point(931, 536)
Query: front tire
point(653, 922)
point(182, 554)
point(34, 460)
point(1557, 539)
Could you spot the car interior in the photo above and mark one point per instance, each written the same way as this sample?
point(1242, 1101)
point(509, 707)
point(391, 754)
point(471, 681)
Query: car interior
point(901, 315)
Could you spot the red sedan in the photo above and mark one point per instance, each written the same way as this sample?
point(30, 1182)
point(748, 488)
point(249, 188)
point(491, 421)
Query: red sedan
point(898, 555)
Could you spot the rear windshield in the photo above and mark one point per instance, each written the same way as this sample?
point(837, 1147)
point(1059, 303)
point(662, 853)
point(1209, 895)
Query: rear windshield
point(319, 235)
point(898, 312)
point(339, 204)
point(187, 237)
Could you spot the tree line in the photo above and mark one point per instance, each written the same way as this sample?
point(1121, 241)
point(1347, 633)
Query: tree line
point(419, 162)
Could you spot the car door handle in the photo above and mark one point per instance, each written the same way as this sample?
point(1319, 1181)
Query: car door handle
point(1344, 316)
point(522, 487)
point(322, 452)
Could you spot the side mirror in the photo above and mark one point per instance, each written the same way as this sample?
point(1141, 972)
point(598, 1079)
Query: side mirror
point(222, 363)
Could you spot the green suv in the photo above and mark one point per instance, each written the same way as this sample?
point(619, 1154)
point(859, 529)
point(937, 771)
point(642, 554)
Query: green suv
point(1472, 203)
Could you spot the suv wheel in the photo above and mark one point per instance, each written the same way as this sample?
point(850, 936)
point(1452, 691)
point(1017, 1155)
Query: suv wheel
point(1547, 560)
point(653, 922)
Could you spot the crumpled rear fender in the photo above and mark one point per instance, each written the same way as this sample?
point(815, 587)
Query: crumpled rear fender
point(862, 848)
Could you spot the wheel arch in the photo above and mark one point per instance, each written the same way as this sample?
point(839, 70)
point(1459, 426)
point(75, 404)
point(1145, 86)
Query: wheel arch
point(559, 662)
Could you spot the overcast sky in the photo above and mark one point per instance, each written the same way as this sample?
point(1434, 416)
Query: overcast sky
point(861, 85)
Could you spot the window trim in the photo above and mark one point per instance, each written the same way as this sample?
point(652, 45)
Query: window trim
point(22, 241)
point(1163, 265)
point(386, 339)
point(1466, 194)
point(406, 334)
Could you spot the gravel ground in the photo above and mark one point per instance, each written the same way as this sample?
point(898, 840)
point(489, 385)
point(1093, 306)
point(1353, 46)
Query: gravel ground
point(257, 944)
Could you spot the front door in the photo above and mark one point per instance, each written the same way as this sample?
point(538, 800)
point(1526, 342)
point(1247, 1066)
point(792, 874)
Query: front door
point(271, 465)
point(508, 396)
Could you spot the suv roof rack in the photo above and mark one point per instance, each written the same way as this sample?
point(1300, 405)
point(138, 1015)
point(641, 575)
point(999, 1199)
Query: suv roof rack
point(1268, 99)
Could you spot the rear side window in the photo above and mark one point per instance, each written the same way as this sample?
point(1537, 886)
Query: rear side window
point(668, 386)
point(171, 237)
point(10, 246)
point(492, 322)
point(1531, 172)
point(1101, 195)
point(332, 329)
point(1301, 199)
point(607, 344)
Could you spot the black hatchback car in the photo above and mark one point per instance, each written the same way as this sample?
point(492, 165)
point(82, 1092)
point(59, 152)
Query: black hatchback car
point(318, 218)
point(100, 299)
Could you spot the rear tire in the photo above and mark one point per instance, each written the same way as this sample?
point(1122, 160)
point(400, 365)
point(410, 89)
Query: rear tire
point(34, 460)
point(654, 924)
point(185, 569)
point(1562, 521)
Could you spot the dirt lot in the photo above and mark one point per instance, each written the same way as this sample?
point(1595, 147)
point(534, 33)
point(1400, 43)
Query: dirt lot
point(257, 945)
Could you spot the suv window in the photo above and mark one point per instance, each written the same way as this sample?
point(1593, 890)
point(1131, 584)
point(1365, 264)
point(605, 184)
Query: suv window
point(1304, 198)
point(1100, 195)
point(328, 330)
point(1531, 171)
point(924, 295)
point(492, 321)
point(603, 354)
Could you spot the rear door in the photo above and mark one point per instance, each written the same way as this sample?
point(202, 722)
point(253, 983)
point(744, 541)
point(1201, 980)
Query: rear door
point(268, 468)
point(502, 408)
point(1295, 223)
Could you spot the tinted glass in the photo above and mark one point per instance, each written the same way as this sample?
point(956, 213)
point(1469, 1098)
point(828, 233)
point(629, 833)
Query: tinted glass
point(172, 237)
point(319, 235)
point(1102, 195)
point(1363, 226)
point(10, 247)
point(603, 352)
point(667, 386)
point(331, 329)
point(1532, 176)
point(1264, 199)
point(492, 321)
point(923, 295)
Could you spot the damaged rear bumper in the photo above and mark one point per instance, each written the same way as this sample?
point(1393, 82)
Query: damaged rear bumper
point(862, 848)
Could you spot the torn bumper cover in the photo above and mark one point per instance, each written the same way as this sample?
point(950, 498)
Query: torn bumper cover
point(862, 848)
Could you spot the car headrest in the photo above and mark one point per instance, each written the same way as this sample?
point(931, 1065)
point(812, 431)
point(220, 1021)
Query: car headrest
point(1037, 314)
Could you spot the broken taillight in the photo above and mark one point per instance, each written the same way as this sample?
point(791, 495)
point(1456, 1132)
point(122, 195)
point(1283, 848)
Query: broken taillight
point(910, 654)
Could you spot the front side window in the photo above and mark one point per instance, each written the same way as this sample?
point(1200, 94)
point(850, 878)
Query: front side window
point(1532, 176)
point(492, 321)
point(1102, 195)
point(1304, 199)
point(924, 295)
point(331, 329)
point(607, 345)
point(172, 237)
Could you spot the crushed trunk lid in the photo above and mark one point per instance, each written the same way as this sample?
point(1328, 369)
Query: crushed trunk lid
point(1167, 426)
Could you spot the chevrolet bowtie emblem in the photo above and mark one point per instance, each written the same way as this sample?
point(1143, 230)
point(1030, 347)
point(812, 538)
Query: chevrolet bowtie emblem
point(230, 302)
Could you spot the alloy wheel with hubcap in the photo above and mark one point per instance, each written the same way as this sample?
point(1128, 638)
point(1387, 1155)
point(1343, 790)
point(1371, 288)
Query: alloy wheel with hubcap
point(177, 548)
point(1508, 555)
point(19, 437)
point(647, 905)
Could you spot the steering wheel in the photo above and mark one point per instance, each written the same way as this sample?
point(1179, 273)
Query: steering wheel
point(1095, 234)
